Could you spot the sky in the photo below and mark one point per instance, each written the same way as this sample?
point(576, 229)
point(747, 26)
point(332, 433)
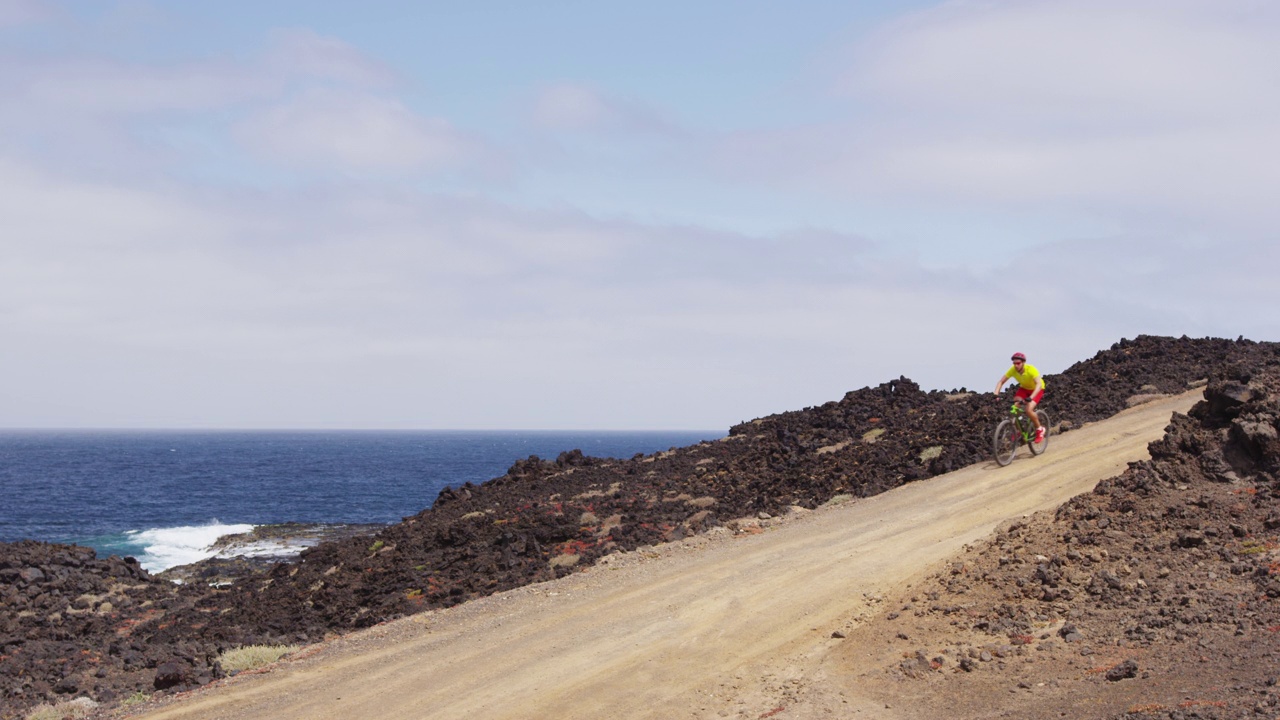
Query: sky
point(604, 215)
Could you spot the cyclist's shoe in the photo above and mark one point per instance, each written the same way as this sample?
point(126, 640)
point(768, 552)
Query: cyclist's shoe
point(1040, 434)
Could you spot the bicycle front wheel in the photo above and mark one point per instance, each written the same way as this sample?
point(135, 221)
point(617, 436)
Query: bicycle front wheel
point(1005, 441)
point(1039, 447)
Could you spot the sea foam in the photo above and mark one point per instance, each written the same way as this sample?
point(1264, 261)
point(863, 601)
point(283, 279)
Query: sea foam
point(163, 548)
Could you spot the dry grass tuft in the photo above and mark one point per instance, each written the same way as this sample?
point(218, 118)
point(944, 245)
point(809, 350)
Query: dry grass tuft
point(930, 453)
point(78, 708)
point(254, 656)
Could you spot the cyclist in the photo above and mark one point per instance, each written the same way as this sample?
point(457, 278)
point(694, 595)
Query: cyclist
point(1030, 388)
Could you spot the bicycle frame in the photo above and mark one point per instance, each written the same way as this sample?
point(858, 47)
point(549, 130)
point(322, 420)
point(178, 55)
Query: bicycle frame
point(1017, 430)
point(1022, 421)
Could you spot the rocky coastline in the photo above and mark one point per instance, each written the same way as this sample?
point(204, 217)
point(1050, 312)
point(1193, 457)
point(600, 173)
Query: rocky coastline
point(244, 554)
point(75, 625)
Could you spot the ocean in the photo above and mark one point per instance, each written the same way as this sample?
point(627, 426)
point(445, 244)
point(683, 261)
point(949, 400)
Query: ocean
point(165, 496)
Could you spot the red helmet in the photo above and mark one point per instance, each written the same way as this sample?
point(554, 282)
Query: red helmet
point(1019, 356)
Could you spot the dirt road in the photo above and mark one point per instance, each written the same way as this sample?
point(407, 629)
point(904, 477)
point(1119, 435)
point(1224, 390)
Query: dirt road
point(717, 626)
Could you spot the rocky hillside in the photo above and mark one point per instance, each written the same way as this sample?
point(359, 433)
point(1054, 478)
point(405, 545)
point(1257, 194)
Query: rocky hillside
point(1155, 596)
point(66, 629)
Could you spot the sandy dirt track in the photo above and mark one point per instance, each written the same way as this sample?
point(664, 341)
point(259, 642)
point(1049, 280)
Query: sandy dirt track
point(718, 626)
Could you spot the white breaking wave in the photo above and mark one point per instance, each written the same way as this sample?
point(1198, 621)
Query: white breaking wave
point(163, 548)
point(270, 548)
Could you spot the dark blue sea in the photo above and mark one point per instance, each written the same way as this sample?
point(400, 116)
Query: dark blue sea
point(165, 496)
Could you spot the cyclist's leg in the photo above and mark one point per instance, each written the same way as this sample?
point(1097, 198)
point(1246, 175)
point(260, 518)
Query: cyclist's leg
point(1041, 430)
point(1031, 412)
point(1032, 402)
point(1028, 404)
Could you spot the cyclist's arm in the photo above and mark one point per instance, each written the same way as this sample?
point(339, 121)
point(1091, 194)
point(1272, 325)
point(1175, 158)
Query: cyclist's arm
point(1003, 379)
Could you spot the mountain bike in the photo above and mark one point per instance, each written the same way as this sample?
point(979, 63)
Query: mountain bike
point(1016, 430)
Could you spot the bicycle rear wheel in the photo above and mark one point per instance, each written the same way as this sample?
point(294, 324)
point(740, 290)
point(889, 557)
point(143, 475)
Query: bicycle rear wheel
point(1005, 441)
point(1039, 447)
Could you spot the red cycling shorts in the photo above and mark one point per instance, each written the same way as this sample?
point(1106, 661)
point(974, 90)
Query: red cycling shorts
point(1025, 394)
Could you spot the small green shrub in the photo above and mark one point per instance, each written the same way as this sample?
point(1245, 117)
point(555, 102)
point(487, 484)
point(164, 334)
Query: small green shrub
point(377, 546)
point(136, 699)
point(253, 656)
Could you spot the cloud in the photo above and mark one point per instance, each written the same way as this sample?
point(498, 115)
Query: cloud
point(22, 12)
point(568, 106)
point(306, 101)
point(387, 308)
point(97, 88)
point(1093, 65)
point(303, 53)
point(1117, 110)
point(574, 107)
point(326, 129)
point(368, 306)
point(132, 294)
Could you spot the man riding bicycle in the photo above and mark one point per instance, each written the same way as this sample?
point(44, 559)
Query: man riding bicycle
point(1030, 388)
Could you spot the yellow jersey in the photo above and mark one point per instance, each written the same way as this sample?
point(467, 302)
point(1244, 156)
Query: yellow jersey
point(1027, 378)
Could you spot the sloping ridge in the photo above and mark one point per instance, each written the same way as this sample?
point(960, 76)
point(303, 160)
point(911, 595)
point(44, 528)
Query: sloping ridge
point(715, 626)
